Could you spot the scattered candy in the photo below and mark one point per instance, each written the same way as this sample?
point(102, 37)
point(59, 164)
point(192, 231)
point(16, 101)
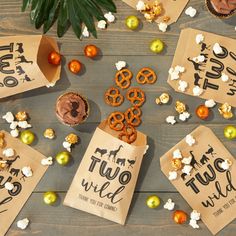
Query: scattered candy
point(230, 132)
point(54, 58)
point(187, 160)
point(9, 152)
point(180, 107)
point(27, 171)
point(169, 205)
point(132, 22)
point(162, 27)
point(91, 51)
point(199, 38)
point(217, 49)
point(225, 165)
point(182, 85)
point(47, 161)
point(170, 120)
point(151, 11)
point(8, 117)
point(194, 224)
point(157, 46)
point(27, 137)
point(225, 111)
point(120, 65)
point(72, 138)
point(163, 99)
point(180, 217)
point(14, 133)
point(24, 124)
point(74, 66)
point(63, 158)
point(177, 154)
point(85, 32)
point(190, 11)
point(184, 116)
point(187, 169)
point(172, 175)
point(176, 164)
point(210, 103)
point(8, 186)
point(102, 24)
point(22, 224)
point(153, 201)
point(224, 77)
point(49, 198)
point(110, 17)
point(190, 140)
point(197, 91)
point(49, 133)
point(21, 116)
point(202, 112)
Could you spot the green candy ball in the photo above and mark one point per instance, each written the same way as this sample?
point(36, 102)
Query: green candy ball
point(49, 198)
point(132, 22)
point(27, 137)
point(63, 158)
point(230, 132)
point(157, 46)
point(153, 201)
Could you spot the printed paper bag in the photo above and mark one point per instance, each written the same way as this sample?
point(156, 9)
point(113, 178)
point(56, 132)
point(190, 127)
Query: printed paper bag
point(206, 74)
point(106, 178)
point(172, 9)
point(12, 201)
point(210, 188)
point(24, 65)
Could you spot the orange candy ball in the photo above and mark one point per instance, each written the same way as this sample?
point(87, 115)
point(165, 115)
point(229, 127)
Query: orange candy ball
point(54, 58)
point(91, 51)
point(74, 66)
point(202, 112)
point(180, 217)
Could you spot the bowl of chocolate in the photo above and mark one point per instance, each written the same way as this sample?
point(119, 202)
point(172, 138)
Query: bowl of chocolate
point(72, 108)
point(221, 8)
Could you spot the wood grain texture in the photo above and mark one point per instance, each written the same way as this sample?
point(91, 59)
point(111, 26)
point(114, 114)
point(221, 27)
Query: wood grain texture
point(116, 43)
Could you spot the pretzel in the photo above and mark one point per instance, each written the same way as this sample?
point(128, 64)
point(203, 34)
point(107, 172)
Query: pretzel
point(115, 120)
point(128, 134)
point(136, 96)
point(146, 76)
point(123, 78)
point(132, 116)
point(113, 97)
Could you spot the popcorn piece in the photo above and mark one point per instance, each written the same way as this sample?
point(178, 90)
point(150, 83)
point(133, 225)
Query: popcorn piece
point(199, 38)
point(171, 120)
point(184, 116)
point(187, 160)
point(175, 72)
point(9, 152)
point(199, 58)
point(190, 11)
point(8, 117)
point(51, 85)
point(26, 171)
point(140, 6)
point(163, 99)
point(172, 175)
point(14, 125)
point(217, 49)
point(210, 103)
point(22, 224)
point(2, 140)
point(24, 124)
point(72, 138)
point(224, 77)
point(195, 215)
point(182, 85)
point(110, 17)
point(225, 111)
point(14, 133)
point(120, 65)
point(197, 91)
point(8, 186)
point(47, 161)
point(85, 32)
point(102, 24)
point(177, 154)
point(21, 116)
point(180, 69)
point(225, 165)
point(194, 224)
point(180, 107)
point(175, 75)
point(190, 140)
point(187, 169)
point(67, 146)
point(169, 205)
point(49, 133)
point(162, 27)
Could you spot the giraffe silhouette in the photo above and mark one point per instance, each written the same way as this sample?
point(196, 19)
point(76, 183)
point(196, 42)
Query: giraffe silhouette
point(194, 162)
point(196, 65)
point(196, 79)
point(204, 47)
point(10, 162)
point(114, 153)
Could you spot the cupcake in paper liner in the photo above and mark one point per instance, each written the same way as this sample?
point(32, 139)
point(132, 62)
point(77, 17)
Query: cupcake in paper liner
point(72, 108)
point(221, 8)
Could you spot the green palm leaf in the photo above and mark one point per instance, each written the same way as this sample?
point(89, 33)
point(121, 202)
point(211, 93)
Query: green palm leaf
point(68, 12)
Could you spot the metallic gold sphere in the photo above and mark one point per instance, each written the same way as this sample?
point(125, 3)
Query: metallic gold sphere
point(27, 137)
point(153, 201)
point(230, 132)
point(63, 158)
point(49, 198)
point(157, 46)
point(132, 22)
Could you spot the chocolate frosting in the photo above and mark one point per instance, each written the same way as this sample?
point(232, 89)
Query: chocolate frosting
point(71, 108)
point(224, 6)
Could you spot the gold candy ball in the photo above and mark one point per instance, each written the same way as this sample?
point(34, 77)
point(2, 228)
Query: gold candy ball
point(157, 46)
point(27, 137)
point(49, 198)
point(63, 158)
point(153, 201)
point(132, 22)
point(230, 132)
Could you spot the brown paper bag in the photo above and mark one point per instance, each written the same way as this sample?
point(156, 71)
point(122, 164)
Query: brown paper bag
point(209, 189)
point(24, 65)
point(206, 75)
point(12, 201)
point(173, 9)
point(105, 180)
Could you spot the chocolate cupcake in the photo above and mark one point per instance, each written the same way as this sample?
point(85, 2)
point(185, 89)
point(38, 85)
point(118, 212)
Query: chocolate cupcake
point(72, 108)
point(221, 8)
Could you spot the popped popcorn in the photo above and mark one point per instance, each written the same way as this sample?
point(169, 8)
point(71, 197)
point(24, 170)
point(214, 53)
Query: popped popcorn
point(14, 125)
point(197, 91)
point(225, 165)
point(199, 38)
point(187, 169)
point(217, 48)
point(171, 120)
point(169, 205)
point(8, 117)
point(9, 152)
point(51, 85)
point(110, 17)
point(180, 69)
point(189, 139)
point(140, 6)
point(85, 32)
point(182, 85)
point(184, 116)
point(187, 160)
point(199, 58)
point(67, 146)
point(8, 186)
point(162, 27)
point(190, 11)
point(195, 215)
point(102, 24)
point(24, 124)
point(172, 175)
point(47, 161)
point(22, 224)
point(175, 72)
point(14, 133)
point(194, 224)
point(177, 154)
point(120, 65)
point(210, 103)
point(224, 77)
point(26, 171)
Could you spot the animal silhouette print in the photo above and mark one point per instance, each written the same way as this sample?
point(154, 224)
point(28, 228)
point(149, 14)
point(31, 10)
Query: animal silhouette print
point(22, 59)
point(27, 78)
point(205, 55)
point(210, 151)
point(204, 47)
point(196, 65)
point(183, 176)
point(14, 172)
point(20, 48)
point(196, 79)
point(100, 151)
point(10, 162)
point(131, 162)
point(19, 70)
point(120, 161)
point(204, 159)
point(114, 153)
point(194, 162)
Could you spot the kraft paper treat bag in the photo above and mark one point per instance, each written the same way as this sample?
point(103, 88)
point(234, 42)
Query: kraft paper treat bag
point(207, 74)
point(210, 189)
point(172, 9)
point(105, 180)
point(12, 201)
point(24, 63)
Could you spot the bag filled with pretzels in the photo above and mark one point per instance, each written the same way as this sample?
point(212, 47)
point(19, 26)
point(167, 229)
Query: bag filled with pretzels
point(105, 180)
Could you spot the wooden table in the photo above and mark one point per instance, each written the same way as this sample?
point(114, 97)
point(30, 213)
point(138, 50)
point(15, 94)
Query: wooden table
point(116, 43)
